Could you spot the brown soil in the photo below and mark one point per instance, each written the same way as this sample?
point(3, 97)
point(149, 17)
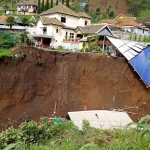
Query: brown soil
point(70, 79)
point(121, 9)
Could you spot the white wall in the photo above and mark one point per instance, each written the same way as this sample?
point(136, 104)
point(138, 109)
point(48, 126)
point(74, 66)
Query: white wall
point(60, 36)
point(141, 32)
point(135, 30)
point(71, 21)
point(82, 21)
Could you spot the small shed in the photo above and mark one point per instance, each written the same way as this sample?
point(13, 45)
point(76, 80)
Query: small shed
point(103, 119)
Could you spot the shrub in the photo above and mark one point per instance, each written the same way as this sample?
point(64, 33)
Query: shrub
point(7, 43)
point(9, 136)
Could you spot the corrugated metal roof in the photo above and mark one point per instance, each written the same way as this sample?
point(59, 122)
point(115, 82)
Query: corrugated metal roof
point(103, 119)
point(129, 49)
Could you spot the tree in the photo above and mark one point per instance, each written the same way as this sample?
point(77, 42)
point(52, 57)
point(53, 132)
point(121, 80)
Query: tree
point(134, 6)
point(10, 21)
point(56, 2)
point(111, 14)
point(46, 5)
point(62, 2)
point(86, 8)
point(98, 12)
point(67, 3)
point(116, 4)
point(51, 3)
point(42, 9)
point(25, 20)
point(108, 10)
point(39, 7)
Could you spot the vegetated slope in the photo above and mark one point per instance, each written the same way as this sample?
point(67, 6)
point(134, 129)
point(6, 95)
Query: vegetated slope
point(70, 79)
point(120, 9)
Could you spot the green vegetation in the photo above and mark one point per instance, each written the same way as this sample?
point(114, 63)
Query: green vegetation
point(139, 8)
point(8, 39)
point(5, 52)
point(66, 136)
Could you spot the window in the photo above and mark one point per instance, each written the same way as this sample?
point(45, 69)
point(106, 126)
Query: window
point(86, 23)
point(71, 35)
point(56, 30)
point(63, 19)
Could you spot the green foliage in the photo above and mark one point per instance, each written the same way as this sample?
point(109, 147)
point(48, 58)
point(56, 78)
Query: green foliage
point(9, 136)
point(67, 3)
point(39, 7)
point(42, 7)
point(139, 7)
point(86, 8)
point(46, 5)
point(23, 36)
point(51, 5)
point(17, 57)
point(5, 52)
point(60, 47)
point(10, 21)
point(66, 136)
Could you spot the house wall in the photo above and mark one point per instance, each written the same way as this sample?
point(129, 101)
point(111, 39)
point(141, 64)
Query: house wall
point(60, 36)
point(71, 46)
point(71, 21)
point(82, 21)
point(135, 30)
point(141, 32)
point(19, 8)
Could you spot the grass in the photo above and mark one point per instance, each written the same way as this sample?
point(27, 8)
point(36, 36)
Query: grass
point(5, 52)
point(66, 136)
point(144, 13)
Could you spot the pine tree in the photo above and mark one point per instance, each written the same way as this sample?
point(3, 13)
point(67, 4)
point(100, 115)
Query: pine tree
point(67, 3)
point(56, 2)
point(47, 5)
point(51, 3)
point(42, 9)
point(39, 7)
point(62, 1)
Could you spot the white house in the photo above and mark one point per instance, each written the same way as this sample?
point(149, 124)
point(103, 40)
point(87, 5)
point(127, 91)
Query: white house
point(57, 25)
point(27, 6)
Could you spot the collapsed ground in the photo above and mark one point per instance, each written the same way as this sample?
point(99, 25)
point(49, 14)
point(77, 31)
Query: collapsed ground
point(31, 87)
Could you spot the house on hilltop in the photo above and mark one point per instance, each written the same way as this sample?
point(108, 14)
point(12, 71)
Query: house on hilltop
point(57, 26)
point(127, 25)
point(27, 6)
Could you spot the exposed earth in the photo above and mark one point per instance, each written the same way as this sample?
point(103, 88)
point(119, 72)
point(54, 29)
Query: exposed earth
point(70, 80)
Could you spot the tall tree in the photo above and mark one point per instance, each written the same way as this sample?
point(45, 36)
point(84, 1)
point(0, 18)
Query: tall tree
point(86, 8)
point(62, 1)
point(39, 7)
point(56, 2)
point(10, 21)
point(47, 5)
point(42, 9)
point(67, 3)
point(51, 3)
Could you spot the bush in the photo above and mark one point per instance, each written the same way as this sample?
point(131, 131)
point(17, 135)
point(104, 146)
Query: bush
point(9, 136)
point(7, 43)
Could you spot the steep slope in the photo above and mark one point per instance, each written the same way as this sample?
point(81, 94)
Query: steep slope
point(71, 80)
point(121, 8)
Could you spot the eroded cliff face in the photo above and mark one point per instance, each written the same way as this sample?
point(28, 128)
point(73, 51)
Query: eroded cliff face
point(71, 80)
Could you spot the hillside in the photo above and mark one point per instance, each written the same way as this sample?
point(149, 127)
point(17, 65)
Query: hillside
point(93, 4)
point(71, 80)
point(120, 9)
